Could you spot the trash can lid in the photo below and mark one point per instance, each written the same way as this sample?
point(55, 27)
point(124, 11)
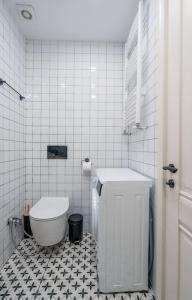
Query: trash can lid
point(75, 218)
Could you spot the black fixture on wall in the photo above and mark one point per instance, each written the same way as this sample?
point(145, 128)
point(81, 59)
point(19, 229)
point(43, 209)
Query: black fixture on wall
point(4, 82)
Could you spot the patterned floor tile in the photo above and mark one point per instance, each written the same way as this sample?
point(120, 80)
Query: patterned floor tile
point(29, 247)
point(21, 291)
point(4, 287)
point(18, 268)
point(54, 289)
point(70, 268)
point(65, 271)
point(85, 249)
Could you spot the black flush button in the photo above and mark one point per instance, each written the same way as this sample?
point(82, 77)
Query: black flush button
point(57, 152)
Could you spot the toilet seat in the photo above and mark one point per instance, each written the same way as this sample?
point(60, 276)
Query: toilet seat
point(49, 208)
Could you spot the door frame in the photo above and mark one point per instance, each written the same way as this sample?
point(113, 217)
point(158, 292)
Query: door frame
point(160, 195)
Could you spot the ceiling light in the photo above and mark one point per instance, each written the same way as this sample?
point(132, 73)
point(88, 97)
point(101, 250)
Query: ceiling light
point(25, 11)
point(26, 14)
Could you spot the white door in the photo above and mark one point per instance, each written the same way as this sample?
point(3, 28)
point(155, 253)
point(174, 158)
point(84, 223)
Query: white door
point(178, 243)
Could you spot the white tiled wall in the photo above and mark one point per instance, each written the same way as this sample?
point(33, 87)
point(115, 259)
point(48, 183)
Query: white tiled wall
point(76, 92)
point(12, 175)
point(143, 144)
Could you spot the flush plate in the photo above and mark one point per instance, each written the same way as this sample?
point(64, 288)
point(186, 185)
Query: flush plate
point(57, 152)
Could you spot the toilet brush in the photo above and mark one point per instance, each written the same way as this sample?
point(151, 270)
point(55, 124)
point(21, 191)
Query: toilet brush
point(26, 223)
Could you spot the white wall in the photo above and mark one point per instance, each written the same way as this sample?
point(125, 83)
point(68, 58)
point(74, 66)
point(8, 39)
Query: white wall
point(143, 144)
point(76, 90)
point(12, 172)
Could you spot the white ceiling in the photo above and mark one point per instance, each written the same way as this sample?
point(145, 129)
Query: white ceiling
point(97, 20)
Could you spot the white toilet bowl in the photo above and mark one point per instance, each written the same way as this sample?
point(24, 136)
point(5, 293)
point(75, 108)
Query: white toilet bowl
point(48, 218)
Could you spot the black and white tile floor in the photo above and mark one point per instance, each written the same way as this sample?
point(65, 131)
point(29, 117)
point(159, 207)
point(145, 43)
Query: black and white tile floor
point(66, 271)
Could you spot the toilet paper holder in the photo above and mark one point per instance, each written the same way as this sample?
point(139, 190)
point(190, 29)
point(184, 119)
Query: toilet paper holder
point(85, 160)
point(86, 165)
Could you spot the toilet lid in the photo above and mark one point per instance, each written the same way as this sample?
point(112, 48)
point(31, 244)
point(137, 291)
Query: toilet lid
point(49, 208)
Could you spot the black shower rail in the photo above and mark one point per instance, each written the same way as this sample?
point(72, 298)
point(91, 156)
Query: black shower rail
point(4, 82)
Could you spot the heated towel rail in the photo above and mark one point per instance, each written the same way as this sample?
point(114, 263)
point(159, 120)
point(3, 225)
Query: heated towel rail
point(133, 91)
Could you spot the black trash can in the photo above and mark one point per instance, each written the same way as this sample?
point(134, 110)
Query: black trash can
point(75, 228)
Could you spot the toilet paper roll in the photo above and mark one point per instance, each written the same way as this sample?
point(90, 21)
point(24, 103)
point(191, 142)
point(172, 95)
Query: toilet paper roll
point(86, 166)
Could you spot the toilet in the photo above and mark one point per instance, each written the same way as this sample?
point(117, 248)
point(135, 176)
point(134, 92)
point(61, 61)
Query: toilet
point(48, 219)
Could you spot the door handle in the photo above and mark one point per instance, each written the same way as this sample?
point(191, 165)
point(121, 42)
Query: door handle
point(171, 183)
point(171, 168)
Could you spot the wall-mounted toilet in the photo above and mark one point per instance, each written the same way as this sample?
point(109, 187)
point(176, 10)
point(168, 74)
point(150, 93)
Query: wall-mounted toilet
point(48, 218)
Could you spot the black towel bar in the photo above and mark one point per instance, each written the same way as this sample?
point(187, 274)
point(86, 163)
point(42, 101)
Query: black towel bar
point(4, 82)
